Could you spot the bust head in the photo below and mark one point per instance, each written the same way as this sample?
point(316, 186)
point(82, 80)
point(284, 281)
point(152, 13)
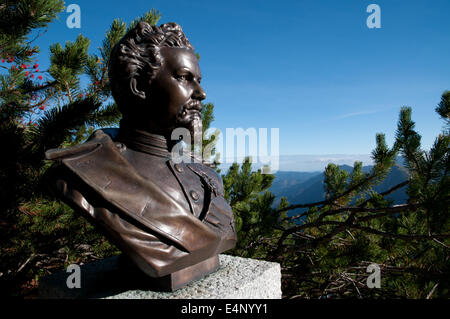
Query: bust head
point(155, 79)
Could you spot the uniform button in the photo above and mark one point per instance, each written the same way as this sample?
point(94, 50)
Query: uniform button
point(194, 195)
point(178, 168)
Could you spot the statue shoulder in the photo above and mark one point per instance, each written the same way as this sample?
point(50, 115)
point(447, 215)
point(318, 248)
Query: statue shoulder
point(98, 138)
point(65, 170)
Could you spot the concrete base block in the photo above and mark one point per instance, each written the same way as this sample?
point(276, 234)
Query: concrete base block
point(236, 278)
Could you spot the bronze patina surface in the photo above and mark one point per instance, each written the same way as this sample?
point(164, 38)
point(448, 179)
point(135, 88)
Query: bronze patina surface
point(170, 219)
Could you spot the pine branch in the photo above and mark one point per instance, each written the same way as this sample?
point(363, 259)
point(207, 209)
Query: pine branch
point(107, 115)
point(342, 226)
point(39, 87)
point(57, 125)
point(151, 17)
point(18, 18)
point(399, 236)
point(332, 199)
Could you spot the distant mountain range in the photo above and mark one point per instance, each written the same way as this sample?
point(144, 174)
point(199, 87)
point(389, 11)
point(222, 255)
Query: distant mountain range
point(308, 187)
point(301, 163)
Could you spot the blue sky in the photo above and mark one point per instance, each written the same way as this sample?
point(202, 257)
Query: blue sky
point(311, 68)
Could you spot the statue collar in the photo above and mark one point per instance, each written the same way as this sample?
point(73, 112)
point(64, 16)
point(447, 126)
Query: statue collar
point(145, 142)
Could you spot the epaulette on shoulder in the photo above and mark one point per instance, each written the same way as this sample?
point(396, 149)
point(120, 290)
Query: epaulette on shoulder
point(94, 141)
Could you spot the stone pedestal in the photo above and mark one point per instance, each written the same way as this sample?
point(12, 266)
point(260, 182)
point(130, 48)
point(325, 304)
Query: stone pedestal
point(236, 278)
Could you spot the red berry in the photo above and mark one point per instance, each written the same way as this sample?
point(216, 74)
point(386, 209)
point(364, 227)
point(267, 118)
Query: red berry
point(3, 60)
point(40, 77)
point(32, 76)
point(26, 73)
point(37, 70)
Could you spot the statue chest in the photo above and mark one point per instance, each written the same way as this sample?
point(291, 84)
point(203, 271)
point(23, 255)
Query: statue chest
point(181, 181)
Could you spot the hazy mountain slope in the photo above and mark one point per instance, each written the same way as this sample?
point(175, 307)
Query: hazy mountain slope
point(290, 181)
point(298, 188)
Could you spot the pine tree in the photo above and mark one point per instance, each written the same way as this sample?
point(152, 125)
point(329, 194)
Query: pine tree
point(209, 139)
point(325, 250)
point(252, 203)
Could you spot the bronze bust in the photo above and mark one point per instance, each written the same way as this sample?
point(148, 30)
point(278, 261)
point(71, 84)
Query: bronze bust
point(170, 219)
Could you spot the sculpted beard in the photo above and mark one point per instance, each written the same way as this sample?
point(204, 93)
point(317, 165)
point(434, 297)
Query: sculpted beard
point(190, 117)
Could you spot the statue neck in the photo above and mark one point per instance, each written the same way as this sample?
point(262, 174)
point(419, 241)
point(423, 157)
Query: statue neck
point(142, 141)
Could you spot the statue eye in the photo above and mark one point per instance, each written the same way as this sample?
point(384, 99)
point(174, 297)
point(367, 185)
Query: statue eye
point(182, 77)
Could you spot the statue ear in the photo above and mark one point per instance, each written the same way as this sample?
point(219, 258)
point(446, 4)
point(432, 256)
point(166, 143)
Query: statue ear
point(135, 90)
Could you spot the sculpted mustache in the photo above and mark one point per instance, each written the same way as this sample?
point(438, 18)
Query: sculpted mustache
point(196, 105)
point(191, 107)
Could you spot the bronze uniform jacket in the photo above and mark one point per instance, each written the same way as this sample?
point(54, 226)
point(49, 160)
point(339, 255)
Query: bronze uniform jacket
point(160, 232)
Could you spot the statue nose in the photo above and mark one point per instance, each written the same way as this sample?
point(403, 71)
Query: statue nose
point(199, 93)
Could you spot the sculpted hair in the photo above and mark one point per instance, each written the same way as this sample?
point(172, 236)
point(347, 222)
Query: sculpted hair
point(136, 57)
